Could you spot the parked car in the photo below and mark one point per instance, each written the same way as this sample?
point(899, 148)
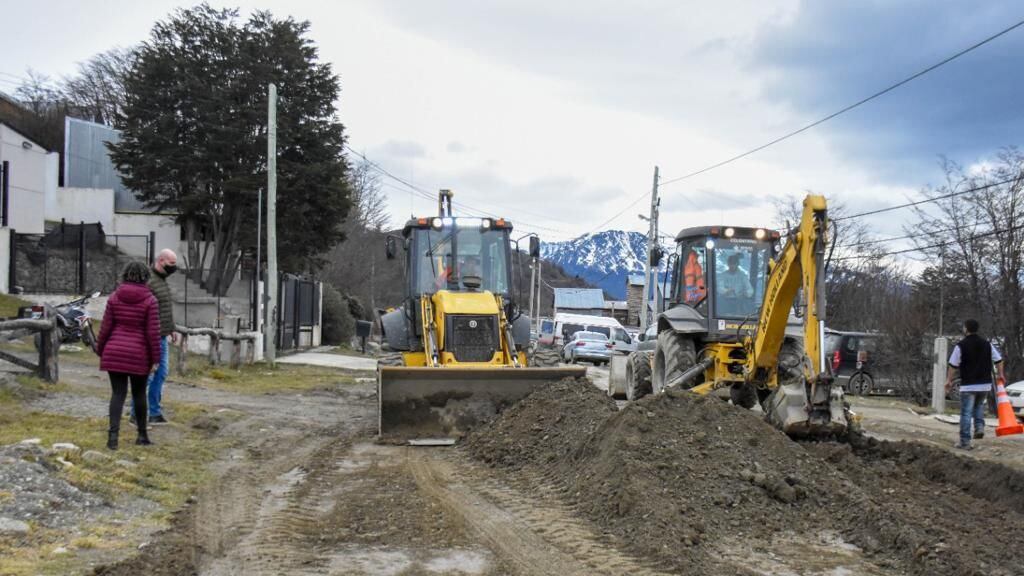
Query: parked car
point(850, 354)
point(1016, 393)
point(558, 331)
point(591, 346)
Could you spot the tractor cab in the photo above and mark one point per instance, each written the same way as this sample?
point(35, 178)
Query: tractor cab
point(719, 275)
point(458, 254)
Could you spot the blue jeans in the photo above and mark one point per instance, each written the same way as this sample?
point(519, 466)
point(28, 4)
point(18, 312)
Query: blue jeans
point(972, 407)
point(156, 380)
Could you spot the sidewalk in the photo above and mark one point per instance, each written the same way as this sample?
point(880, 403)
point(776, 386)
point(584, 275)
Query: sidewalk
point(319, 357)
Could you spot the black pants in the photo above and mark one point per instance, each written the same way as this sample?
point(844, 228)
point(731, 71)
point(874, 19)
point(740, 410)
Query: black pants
point(119, 386)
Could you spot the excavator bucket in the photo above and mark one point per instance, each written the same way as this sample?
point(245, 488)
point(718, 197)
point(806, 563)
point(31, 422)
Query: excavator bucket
point(421, 403)
point(803, 411)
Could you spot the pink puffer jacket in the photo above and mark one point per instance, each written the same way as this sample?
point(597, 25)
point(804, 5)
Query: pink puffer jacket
point(129, 339)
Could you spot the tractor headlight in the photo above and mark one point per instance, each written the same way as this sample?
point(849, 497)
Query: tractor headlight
point(447, 221)
point(437, 223)
point(710, 244)
point(485, 223)
point(469, 222)
point(759, 234)
point(729, 232)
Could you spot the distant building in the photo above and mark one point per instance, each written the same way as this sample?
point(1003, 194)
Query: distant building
point(588, 301)
point(635, 296)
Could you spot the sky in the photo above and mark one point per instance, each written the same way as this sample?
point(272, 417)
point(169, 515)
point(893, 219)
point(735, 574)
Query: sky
point(554, 114)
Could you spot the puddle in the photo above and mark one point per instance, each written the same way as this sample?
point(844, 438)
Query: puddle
point(395, 561)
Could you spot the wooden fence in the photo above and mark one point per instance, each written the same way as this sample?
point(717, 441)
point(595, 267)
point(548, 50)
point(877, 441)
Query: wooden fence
point(216, 336)
point(47, 366)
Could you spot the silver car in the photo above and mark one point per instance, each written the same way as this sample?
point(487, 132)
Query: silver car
point(591, 346)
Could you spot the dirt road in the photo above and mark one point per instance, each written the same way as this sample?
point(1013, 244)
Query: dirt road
point(566, 484)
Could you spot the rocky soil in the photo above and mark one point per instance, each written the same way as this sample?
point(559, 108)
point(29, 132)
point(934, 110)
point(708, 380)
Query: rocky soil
point(698, 486)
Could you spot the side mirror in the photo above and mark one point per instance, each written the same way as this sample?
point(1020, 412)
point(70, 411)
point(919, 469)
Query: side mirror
point(390, 247)
point(534, 247)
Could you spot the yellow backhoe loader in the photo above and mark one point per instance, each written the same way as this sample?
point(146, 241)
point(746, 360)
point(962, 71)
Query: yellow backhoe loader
point(459, 341)
point(748, 315)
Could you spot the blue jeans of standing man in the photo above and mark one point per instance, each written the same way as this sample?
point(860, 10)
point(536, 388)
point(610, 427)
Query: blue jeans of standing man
point(156, 381)
point(972, 408)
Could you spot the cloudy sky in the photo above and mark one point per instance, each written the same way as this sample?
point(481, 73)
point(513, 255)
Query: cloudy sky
point(555, 113)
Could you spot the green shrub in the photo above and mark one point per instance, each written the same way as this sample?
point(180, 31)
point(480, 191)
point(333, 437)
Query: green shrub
point(338, 324)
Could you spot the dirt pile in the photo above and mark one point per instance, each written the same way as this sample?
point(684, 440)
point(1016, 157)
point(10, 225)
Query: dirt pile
point(544, 426)
point(688, 481)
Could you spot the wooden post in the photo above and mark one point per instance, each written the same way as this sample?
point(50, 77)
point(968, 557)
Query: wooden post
point(236, 353)
point(49, 368)
point(183, 353)
point(214, 348)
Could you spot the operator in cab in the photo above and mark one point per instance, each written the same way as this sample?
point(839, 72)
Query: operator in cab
point(734, 283)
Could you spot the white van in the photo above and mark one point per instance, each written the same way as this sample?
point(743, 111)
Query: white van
point(557, 331)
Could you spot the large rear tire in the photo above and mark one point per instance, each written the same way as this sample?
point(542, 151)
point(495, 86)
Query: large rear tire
point(545, 357)
point(743, 395)
point(676, 354)
point(638, 375)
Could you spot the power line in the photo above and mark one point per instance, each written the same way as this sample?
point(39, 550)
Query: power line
point(933, 246)
point(846, 109)
point(925, 201)
point(428, 196)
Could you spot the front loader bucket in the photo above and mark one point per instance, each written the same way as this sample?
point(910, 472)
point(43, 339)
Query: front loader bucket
point(420, 402)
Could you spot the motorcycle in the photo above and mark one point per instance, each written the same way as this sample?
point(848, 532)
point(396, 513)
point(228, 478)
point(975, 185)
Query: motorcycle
point(74, 323)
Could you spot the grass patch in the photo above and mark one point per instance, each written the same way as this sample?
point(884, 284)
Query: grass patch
point(261, 378)
point(166, 473)
point(9, 305)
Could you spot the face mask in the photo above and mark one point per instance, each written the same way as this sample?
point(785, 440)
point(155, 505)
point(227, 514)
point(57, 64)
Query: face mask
point(170, 269)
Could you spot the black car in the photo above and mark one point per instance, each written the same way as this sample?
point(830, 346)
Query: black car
point(850, 355)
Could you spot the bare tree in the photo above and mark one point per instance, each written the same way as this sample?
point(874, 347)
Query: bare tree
point(97, 90)
point(978, 234)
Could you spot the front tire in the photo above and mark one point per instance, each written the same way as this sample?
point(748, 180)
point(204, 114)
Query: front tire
point(676, 354)
point(638, 375)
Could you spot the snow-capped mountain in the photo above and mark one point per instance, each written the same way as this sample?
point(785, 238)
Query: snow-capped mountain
point(605, 259)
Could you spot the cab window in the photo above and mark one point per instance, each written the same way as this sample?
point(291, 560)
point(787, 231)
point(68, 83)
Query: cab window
point(692, 287)
point(740, 275)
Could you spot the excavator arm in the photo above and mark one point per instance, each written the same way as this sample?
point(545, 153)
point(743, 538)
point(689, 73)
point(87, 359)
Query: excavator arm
point(800, 398)
point(801, 265)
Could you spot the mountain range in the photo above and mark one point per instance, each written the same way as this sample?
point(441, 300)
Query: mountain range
point(603, 259)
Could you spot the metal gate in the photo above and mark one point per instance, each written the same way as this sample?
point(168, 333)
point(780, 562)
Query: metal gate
point(298, 302)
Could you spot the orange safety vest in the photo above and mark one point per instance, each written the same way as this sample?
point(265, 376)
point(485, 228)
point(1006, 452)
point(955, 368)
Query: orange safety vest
point(693, 279)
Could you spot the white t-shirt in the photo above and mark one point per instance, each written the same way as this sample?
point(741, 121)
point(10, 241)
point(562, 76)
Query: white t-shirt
point(954, 361)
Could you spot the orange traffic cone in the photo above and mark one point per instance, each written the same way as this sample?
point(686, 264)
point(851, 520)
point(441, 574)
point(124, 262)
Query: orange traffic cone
point(1007, 420)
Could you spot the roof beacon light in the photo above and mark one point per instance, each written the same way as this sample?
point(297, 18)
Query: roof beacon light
point(759, 234)
point(729, 232)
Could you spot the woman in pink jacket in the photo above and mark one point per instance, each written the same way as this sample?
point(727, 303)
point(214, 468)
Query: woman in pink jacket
point(129, 346)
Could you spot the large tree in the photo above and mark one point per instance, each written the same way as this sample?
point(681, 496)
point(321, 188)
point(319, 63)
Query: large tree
point(194, 137)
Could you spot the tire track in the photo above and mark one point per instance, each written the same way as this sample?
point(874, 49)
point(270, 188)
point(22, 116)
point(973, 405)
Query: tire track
point(534, 534)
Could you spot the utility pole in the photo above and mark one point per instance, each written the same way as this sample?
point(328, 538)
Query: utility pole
point(652, 237)
point(533, 284)
point(540, 281)
point(942, 286)
point(271, 326)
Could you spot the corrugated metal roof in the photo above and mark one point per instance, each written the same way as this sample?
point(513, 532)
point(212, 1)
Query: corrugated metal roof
point(579, 298)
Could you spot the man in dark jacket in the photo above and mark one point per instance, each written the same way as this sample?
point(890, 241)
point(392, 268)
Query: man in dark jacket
point(973, 357)
point(165, 265)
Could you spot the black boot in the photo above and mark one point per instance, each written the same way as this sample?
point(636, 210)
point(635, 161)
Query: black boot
point(112, 440)
point(143, 439)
